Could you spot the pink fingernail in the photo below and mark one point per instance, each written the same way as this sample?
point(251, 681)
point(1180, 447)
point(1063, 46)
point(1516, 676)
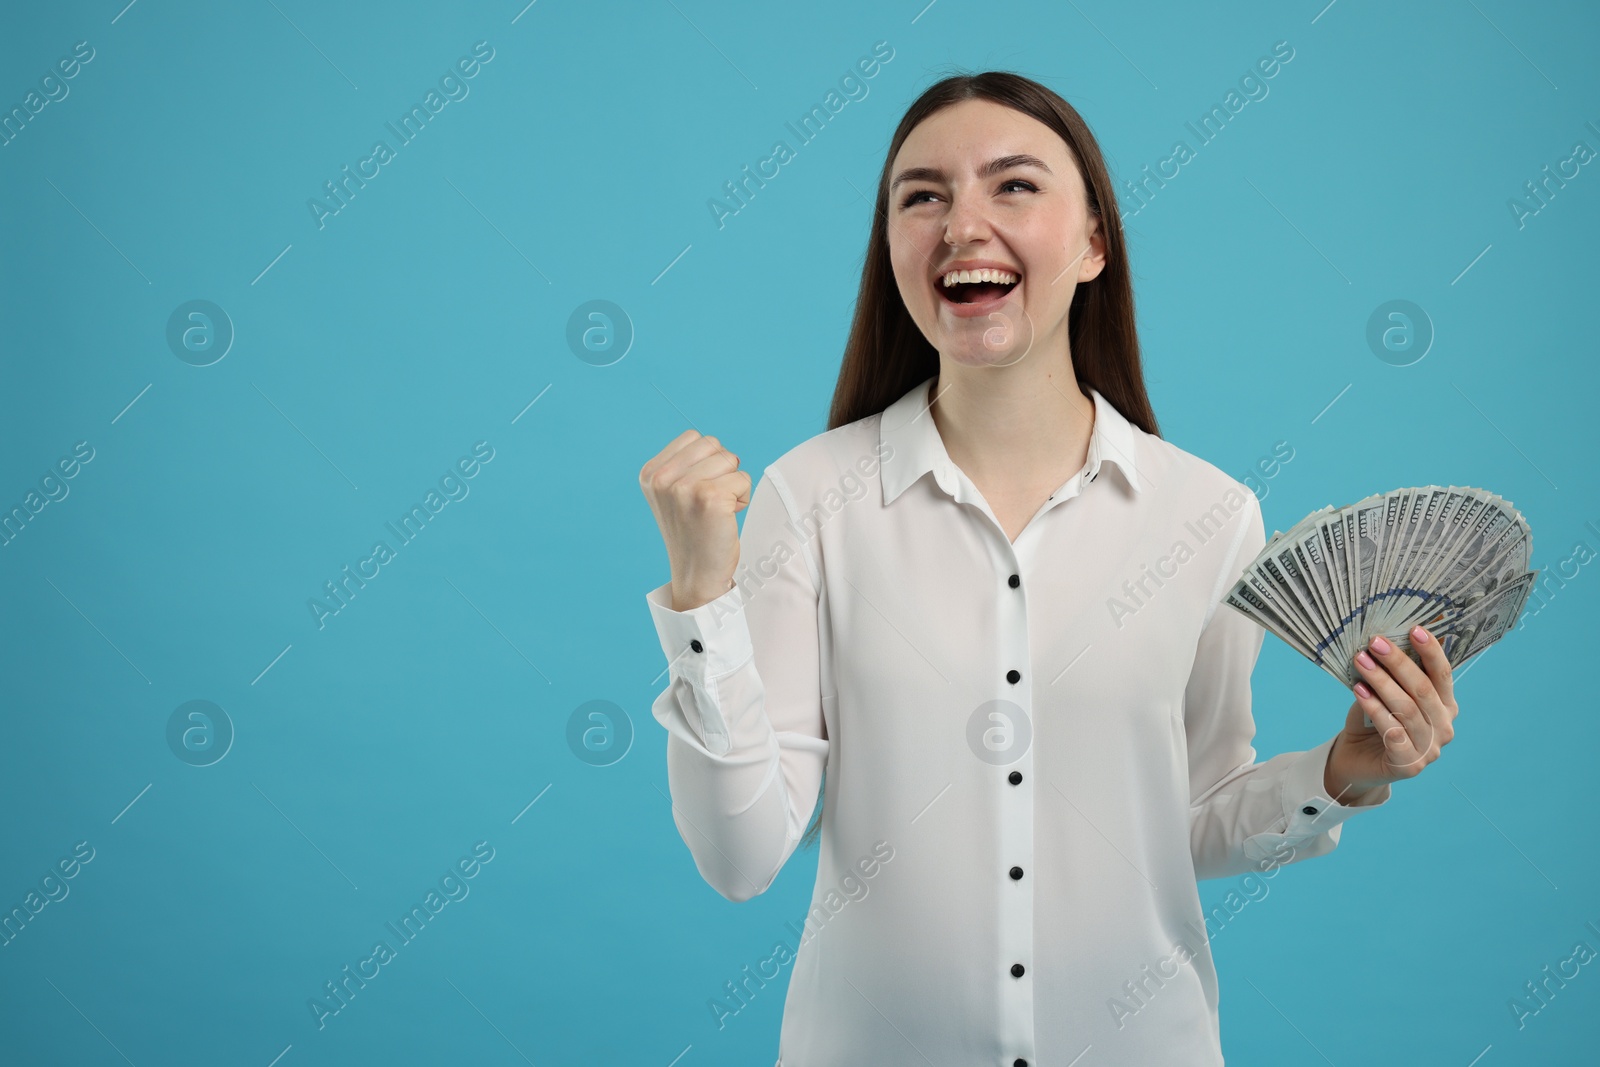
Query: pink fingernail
point(1419, 635)
point(1362, 691)
point(1380, 646)
point(1365, 660)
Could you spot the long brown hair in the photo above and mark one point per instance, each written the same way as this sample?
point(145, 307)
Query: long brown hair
point(887, 354)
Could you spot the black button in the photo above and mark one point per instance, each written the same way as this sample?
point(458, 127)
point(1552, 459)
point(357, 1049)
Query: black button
point(1019, 1062)
point(1095, 475)
point(1013, 677)
point(1016, 873)
point(1014, 581)
point(1309, 810)
point(696, 645)
point(1015, 777)
point(1017, 970)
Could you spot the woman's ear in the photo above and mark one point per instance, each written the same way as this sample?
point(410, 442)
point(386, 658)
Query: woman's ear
point(1094, 259)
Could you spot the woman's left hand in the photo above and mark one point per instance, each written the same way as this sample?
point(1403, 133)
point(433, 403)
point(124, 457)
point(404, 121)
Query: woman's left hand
point(1413, 717)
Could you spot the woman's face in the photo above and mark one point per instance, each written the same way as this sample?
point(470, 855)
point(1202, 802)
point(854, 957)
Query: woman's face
point(978, 184)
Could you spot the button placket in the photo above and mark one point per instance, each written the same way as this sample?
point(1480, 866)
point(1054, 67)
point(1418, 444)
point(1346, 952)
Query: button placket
point(1015, 812)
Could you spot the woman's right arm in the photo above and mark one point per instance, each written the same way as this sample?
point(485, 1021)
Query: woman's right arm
point(743, 706)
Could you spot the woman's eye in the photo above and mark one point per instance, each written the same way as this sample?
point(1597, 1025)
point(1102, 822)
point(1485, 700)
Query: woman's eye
point(912, 198)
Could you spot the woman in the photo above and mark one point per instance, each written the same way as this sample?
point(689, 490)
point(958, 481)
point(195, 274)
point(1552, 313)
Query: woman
point(1032, 708)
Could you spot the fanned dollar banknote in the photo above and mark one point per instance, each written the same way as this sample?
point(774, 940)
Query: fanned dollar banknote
point(1449, 558)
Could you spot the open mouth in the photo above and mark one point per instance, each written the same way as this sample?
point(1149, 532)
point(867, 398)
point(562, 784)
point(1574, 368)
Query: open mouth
point(972, 292)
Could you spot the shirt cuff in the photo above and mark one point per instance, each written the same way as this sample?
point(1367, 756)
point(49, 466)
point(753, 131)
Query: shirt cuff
point(1306, 804)
point(703, 643)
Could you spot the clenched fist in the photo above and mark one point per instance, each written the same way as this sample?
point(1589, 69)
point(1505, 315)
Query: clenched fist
point(695, 488)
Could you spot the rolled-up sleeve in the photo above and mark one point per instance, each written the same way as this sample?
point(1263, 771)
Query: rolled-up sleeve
point(743, 706)
point(1243, 812)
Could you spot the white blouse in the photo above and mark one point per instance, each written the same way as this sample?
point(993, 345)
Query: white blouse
point(1033, 748)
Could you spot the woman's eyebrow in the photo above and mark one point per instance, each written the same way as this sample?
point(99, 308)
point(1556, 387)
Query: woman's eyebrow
point(989, 169)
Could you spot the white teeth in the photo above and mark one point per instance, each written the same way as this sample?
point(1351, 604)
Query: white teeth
point(985, 275)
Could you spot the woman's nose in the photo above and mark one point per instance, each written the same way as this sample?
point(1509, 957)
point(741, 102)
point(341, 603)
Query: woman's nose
point(967, 221)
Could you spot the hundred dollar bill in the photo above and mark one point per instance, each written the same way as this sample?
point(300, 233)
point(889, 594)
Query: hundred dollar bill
point(1451, 558)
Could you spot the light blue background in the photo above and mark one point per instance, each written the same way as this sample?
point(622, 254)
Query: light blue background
point(433, 309)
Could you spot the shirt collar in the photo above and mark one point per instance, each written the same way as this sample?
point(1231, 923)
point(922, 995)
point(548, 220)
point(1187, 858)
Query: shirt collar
point(913, 446)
